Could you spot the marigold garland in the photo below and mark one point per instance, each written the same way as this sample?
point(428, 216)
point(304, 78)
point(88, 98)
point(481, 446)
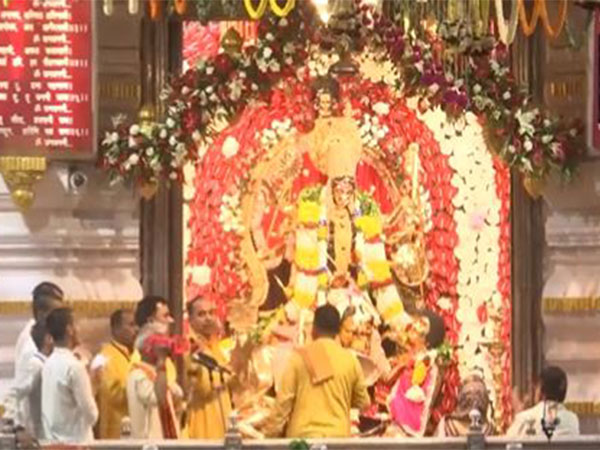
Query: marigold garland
point(529, 26)
point(154, 8)
point(257, 13)
point(282, 12)
point(180, 6)
point(553, 33)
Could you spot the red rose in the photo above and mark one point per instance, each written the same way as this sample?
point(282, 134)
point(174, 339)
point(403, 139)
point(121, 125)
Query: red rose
point(191, 120)
point(482, 313)
point(223, 64)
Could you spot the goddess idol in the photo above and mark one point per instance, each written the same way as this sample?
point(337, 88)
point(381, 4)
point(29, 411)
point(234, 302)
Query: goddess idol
point(335, 250)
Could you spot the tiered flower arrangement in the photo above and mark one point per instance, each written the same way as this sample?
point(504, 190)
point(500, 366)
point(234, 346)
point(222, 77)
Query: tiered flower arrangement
point(218, 89)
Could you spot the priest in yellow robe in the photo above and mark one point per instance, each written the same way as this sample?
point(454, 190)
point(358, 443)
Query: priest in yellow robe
point(111, 368)
point(208, 391)
point(321, 383)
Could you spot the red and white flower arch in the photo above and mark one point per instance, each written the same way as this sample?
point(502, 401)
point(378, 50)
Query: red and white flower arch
point(464, 194)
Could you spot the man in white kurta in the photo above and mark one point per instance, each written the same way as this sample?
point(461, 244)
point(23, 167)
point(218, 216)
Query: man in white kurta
point(69, 411)
point(146, 381)
point(29, 388)
point(553, 389)
point(46, 296)
point(143, 404)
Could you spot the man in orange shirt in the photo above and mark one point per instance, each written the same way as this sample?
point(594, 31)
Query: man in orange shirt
point(111, 367)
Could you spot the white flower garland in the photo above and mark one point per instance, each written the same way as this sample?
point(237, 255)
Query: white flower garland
point(477, 218)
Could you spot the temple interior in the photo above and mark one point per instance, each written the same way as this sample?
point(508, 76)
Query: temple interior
point(300, 224)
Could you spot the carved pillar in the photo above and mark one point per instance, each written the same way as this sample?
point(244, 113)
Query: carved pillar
point(527, 230)
point(161, 217)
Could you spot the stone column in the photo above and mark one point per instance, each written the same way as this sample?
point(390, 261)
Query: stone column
point(161, 227)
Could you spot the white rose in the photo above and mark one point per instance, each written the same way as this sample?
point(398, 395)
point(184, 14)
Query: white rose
point(131, 142)
point(381, 108)
point(185, 90)
point(134, 130)
point(528, 146)
point(270, 134)
point(149, 151)
point(283, 22)
point(210, 70)
point(173, 175)
point(270, 37)
point(110, 138)
point(546, 139)
point(170, 122)
point(476, 89)
point(163, 134)
point(172, 141)
point(434, 88)
point(133, 159)
point(274, 66)
point(547, 123)
point(511, 148)
point(267, 52)
point(230, 147)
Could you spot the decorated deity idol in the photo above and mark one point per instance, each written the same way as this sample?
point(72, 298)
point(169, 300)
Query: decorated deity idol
point(339, 240)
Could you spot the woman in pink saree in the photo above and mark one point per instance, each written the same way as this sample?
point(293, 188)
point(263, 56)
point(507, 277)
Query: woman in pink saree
point(418, 382)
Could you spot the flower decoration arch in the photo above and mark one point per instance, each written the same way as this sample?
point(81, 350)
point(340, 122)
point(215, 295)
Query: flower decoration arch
point(229, 112)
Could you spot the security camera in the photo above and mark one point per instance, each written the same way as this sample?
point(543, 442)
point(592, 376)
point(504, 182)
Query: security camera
point(78, 179)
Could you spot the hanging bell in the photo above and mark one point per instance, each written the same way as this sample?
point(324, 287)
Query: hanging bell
point(232, 42)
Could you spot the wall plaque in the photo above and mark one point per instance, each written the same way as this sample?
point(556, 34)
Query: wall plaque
point(46, 78)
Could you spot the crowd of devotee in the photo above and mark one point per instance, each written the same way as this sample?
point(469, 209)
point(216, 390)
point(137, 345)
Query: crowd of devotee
point(134, 386)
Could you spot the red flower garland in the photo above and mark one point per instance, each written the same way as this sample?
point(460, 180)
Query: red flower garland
point(504, 287)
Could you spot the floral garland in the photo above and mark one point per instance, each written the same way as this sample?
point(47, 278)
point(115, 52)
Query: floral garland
point(481, 207)
point(218, 89)
point(311, 256)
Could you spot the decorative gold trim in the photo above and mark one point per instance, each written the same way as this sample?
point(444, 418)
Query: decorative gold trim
point(87, 308)
point(20, 174)
point(120, 90)
point(570, 305)
point(584, 408)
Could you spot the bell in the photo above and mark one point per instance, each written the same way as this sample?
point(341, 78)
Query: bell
point(232, 42)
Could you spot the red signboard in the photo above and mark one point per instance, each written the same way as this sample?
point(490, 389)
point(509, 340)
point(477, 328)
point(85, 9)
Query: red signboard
point(46, 101)
point(595, 88)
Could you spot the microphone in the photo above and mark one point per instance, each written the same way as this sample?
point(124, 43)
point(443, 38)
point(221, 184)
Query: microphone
point(550, 423)
point(209, 362)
